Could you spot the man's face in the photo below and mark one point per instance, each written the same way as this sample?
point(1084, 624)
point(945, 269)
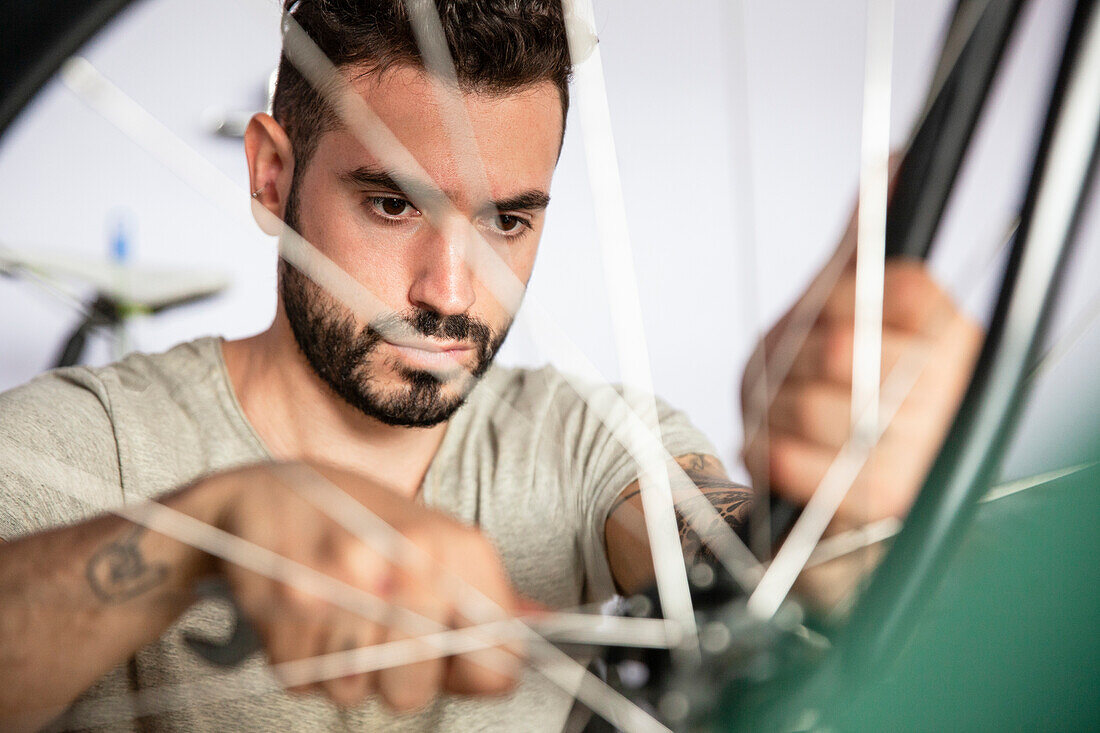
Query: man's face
point(414, 363)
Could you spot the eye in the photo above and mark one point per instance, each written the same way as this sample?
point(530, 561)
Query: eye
point(508, 224)
point(392, 207)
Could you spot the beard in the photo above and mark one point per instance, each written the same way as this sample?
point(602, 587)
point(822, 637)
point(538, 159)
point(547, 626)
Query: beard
point(343, 352)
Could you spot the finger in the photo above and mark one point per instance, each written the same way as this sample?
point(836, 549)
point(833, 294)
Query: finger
point(888, 484)
point(346, 633)
point(827, 352)
point(412, 686)
point(796, 466)
point(818, 412)
point(290, 641)
point(495, 670)
point(912, 300)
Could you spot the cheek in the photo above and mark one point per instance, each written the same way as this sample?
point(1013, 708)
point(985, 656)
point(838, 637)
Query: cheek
point(492, 313)
point(338, 225)
point(520, 256)
point(489, 311)
point(520, 259)
point(343, 236)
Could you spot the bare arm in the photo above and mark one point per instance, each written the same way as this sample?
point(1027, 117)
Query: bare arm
point(627, 549)
point(77, 601)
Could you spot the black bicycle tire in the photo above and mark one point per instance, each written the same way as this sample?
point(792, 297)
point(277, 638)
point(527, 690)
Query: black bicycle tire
point(39, 36)
point(932, 162)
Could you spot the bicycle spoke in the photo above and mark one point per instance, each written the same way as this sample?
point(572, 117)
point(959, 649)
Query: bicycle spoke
point(802, 318)
point(757, 405)
point(1066, 343)
point(626, 314)
point(838, 479)
point(871, 223)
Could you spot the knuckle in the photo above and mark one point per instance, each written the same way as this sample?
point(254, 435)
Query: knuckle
point(807, 408)
point(837, 350)
point(906, 282)
point(297, 598)
point(345, 692)
point(780, 456)
point(913, 292)
point(499, 680)
point(337, 547)
point(406, 698)
point(428, 536)
point(359, 563)
point(906, 273)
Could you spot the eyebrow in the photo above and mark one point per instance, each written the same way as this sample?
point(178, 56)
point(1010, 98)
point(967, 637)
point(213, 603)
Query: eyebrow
point(366, 175)
point(533, 200)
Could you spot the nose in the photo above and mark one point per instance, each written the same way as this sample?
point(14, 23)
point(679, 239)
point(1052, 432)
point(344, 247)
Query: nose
point(442, 279)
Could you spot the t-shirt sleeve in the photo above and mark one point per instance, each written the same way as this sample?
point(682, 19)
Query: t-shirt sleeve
point(58, 454)
point(610, 441)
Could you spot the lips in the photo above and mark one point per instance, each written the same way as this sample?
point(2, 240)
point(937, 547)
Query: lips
point(432, 355)
point(430, 345)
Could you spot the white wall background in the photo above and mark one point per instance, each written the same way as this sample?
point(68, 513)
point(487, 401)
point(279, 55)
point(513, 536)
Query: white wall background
point(67, 177)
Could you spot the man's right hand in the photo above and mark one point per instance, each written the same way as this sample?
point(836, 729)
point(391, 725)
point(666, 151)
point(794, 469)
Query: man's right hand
point(77, 601)
point(266, 505)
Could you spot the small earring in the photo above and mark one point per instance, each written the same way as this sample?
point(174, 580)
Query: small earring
point(258, 191)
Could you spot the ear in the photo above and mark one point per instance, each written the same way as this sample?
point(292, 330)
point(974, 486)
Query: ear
point(270, 170)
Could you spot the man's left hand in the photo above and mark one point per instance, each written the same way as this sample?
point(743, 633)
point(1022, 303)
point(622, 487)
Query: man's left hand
point(809, 419)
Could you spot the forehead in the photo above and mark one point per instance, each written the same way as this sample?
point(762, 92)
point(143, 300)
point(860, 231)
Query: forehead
point(514, 137)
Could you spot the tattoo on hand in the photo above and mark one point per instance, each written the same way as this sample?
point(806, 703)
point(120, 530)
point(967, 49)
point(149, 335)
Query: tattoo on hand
point(119, 572)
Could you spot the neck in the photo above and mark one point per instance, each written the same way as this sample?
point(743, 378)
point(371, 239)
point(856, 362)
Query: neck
point(299, 418)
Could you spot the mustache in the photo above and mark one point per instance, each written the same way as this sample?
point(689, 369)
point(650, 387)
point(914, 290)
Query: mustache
point(421, 322)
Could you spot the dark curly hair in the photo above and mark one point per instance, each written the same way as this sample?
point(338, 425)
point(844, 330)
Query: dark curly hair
point(498, 46)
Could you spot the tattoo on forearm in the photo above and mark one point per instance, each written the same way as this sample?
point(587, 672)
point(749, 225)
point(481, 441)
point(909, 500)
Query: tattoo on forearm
point(731, 501)
point(119, 572)
point(697, 462)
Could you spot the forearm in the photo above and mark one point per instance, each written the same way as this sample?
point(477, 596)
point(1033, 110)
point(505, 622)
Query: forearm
point(77, 601)
point(703, 496)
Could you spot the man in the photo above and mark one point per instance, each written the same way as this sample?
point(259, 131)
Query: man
point(516, 485)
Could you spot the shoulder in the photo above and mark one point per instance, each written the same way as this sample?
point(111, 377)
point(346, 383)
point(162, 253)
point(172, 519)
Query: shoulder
point(82, 398)
point(55, 434)
point(180, 368)
point(87, 427)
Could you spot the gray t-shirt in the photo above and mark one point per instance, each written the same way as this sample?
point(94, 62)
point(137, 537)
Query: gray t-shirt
point(525, 459)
